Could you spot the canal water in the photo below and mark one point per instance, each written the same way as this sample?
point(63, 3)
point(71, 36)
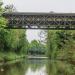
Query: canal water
point(38, 67)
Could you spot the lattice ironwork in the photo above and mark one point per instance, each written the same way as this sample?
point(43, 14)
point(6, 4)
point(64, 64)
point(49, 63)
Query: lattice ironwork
point(41, 20)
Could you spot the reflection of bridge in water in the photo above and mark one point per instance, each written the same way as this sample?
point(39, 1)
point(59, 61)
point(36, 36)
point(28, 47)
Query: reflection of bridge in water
point(40, 20)
point(37, 57)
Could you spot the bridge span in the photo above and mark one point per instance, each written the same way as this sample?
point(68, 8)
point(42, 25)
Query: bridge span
point(19, 20)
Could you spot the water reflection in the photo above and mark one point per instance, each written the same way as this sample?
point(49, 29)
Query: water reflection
point(38, 67)
point(60, 68)
point(13, 69)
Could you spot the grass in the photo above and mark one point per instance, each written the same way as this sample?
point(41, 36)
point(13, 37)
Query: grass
point(9, 56)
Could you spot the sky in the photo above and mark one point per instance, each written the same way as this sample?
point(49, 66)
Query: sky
point(67, 6)
point(43, 5)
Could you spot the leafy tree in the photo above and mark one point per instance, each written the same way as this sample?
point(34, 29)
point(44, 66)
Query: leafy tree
point(13, 42)
point(61, 44)
point(37, 48)
point(2, 30)
point(16, 38)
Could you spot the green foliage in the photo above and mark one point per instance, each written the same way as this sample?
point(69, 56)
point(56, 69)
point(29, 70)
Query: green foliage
point(2, 30)
point(59, 68)
point(16, 41)
point(61, 44)
point(37, 48)
point(3, 21)
point(12, 42)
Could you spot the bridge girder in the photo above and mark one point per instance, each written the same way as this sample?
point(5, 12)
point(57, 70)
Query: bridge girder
point(40, 20)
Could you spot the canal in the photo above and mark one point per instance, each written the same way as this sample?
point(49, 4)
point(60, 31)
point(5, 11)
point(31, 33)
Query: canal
point(37, 67)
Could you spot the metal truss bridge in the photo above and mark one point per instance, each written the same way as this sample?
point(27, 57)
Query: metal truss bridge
point(59, 21)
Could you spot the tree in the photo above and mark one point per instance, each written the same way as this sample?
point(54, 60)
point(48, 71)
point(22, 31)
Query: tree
point(3, 31)
point(13, 42)
point(36, 48)
point(10, 8)
point(16, 38)
point(61, 44)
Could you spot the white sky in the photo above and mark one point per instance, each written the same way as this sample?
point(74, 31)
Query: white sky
point(33, 34)
point(41, 6)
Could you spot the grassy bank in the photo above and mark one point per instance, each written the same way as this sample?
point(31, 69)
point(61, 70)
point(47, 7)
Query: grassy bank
point(4, 57)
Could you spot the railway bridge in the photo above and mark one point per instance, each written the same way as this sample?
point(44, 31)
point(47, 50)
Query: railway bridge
point(23, 20)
